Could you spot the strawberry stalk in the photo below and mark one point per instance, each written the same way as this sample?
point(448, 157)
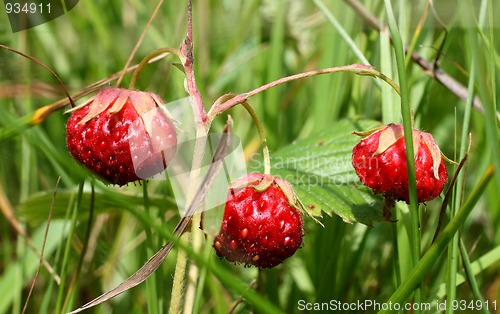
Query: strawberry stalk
point(262, 135)
point(202, 126)
point(220, 106)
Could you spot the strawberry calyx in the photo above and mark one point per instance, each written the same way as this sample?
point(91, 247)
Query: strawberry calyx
point(122, 135)
point(260, 227)
point(379, 160)
point(113, 99)
point(260, 182)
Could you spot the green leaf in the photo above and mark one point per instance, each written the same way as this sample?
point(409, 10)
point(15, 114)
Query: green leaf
point(320, 169)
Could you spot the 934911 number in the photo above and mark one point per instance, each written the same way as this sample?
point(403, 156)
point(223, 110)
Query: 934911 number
point(474, 305)
point(27, 8)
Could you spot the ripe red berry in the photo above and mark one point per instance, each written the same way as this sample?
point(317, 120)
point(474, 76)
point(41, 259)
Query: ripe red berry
point(121, 135)
point(380, 162)
point(262, 225)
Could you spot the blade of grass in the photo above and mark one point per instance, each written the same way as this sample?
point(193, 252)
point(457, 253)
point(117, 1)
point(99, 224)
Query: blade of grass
point(151, 292)
point(390, 111)
point(274, 70)
point(491, 104)
point(408, 137)
point(67, 249)
point(481, 264)
point(458, 191)
point(469, 273)
point(10, 283)
point(347, 38)
point(72, 293)
point(429, 258)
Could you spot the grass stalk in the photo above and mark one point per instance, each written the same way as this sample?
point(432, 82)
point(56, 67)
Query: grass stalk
point(151, 288)
point(464, 144)
point(408, 137)
point(470, 276)
point(67, 250)
point(429, 258)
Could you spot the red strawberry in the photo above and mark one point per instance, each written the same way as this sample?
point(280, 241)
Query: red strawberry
point(262, 225)
point(121, 135)
point(380, 162)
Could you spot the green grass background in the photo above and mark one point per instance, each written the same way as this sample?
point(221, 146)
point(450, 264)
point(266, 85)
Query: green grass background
point(240, 45)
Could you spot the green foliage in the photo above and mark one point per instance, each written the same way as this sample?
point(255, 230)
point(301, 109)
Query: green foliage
point(239, 46)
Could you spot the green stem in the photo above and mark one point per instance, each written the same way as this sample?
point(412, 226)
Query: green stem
point(395, 249)
point(152, 295)
point(67, 249)
point(464, 144)
point(262, 135)
point(429, 259)
point(73, 287)
point(408, 136)
point(153, 54)
point(469, 272)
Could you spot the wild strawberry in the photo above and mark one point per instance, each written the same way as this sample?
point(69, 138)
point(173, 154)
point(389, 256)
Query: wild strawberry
point(262, 223)
point(121, 135)
point(380, 162)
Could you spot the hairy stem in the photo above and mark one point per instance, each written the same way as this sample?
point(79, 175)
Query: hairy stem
point(359, 69)
point(202, 126)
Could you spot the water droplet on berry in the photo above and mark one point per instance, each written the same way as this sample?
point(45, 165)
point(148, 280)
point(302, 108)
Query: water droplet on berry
point(265, 241)
point(233, 245)
point(217, 245)
point(282, 225)
point(244, 233)
point(286, 241)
